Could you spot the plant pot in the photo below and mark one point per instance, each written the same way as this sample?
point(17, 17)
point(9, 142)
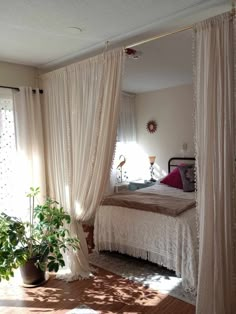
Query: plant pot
point(31, 274)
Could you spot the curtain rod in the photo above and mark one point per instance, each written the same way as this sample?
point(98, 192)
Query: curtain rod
point(144, 41)
point(17, 89)
point(159, 36)
point(128, 93)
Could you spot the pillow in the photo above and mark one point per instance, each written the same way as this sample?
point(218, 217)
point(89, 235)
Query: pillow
point(187, 176)
point(173, 179)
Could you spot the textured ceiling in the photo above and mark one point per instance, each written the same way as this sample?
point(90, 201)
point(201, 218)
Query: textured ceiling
point(37, 32)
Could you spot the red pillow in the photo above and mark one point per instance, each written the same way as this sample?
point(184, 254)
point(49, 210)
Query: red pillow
point(173, 179)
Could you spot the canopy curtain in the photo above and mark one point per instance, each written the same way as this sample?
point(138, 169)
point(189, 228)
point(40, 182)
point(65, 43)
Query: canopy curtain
point(81, 108)
point(30, 166)
point(215, 151)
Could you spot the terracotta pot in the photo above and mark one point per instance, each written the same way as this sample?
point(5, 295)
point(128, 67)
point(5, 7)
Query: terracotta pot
point(31, 274)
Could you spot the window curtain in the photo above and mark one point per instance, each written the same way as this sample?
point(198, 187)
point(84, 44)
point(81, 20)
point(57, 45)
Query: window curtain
point(125, 143)
point(30, 166)
point(81, 108)
point(127, 124)
point(215, 146)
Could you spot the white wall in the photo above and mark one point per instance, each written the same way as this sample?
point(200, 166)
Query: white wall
point(172, 108)
point(16, 75)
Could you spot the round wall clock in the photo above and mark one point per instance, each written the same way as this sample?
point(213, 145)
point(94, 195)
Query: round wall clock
point(151, 126)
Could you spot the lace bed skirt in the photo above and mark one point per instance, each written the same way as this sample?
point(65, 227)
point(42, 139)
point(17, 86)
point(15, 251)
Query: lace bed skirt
point(165, 240)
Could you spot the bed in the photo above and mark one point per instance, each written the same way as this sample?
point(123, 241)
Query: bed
point(170, 241)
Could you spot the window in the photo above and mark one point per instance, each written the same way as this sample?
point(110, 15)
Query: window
point(7, 150)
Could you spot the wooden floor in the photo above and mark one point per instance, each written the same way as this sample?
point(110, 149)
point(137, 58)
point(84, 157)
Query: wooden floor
point(105, 292)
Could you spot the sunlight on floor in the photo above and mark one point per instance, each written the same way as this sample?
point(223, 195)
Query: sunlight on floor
point(105, 293)
point(148, 274)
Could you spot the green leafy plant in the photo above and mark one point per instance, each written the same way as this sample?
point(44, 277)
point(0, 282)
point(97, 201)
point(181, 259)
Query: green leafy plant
point(45, 236)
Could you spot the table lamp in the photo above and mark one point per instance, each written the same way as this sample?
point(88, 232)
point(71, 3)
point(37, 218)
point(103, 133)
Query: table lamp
point(152, 161)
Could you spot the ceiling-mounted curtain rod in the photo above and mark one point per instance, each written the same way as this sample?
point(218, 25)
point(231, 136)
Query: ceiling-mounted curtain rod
point(233, 12)
point(158, 36)
point(17, 89)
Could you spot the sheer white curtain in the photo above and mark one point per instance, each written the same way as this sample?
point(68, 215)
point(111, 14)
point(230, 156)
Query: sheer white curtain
point(215, 144)
point(81, 107)
point(126, 146)
point(127, 123)
point(30, 167)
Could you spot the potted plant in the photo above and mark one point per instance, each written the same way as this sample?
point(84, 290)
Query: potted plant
point(36, 245)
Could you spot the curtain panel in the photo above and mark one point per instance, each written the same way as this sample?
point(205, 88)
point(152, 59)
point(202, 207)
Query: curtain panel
point(214, 84)
point(125, 143)
point(30, 165)
point(126, 131)
point(81, 108)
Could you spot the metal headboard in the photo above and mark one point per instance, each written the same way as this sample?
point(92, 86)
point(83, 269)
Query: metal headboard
point(175, 161)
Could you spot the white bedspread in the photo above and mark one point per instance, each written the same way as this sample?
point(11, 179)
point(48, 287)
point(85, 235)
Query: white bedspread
point(165, 240)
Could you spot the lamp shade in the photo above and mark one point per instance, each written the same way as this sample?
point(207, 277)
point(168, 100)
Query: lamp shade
point(152, 159)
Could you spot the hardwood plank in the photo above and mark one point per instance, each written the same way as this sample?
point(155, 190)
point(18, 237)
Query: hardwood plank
point(105, 292)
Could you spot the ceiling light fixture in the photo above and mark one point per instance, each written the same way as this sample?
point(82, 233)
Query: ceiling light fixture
point(132, 53)
point(74, 29)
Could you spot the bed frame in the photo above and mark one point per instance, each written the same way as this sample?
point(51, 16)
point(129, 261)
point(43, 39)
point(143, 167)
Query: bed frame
point(176, 161)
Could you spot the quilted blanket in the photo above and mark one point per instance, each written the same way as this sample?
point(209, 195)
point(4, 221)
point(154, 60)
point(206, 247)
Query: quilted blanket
point(152, 202)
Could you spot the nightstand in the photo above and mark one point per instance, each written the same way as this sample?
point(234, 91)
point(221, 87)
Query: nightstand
point(123, 186)
point(139, 184)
